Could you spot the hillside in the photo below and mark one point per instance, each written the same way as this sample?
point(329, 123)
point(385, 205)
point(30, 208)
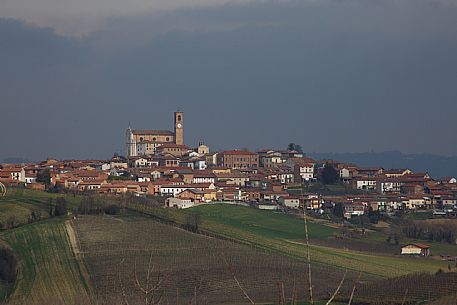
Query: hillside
point(48, 270)
point(285, 234)
point(193, 268)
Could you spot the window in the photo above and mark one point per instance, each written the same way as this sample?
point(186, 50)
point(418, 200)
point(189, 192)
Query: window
point(154, 139)
point(167, 139)
point(179, 118)
point(141, 139)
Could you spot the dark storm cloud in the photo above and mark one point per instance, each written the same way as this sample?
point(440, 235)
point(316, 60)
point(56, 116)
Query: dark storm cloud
point(334, 76)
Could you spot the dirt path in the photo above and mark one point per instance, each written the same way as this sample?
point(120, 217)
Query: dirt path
point(78, 254)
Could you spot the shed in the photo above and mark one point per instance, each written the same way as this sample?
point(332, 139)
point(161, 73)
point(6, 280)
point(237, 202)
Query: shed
point(415, 249)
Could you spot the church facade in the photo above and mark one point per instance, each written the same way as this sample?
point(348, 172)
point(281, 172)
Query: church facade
point(145, 142)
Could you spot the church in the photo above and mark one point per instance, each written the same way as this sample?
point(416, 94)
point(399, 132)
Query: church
point(145, 142)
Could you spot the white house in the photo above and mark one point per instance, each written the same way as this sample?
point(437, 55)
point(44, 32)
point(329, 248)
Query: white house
point(290, 202)
point(303, 168)
point(392, 185)
point(366, 184)
point(178, 203)
point(207, 177)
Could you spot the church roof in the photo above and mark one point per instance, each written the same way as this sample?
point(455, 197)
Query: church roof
point(153, 132)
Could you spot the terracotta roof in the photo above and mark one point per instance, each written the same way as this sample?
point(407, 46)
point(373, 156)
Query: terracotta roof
point(422, 246)
point(237, 152)
point(173, 145)
point(153, 132)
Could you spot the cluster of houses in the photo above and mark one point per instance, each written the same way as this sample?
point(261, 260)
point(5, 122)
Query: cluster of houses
point(268, 179)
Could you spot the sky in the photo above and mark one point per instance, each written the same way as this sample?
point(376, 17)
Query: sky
point(331, 75)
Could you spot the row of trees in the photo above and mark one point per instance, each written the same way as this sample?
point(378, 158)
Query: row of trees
point(438, 230)
point(96, 205)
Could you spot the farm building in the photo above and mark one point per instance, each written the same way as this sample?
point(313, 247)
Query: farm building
point(173, 202)
point(415, 249)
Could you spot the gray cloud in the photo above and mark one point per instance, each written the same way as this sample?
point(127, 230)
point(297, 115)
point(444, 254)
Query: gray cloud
point(84, 16)
point(333, 76)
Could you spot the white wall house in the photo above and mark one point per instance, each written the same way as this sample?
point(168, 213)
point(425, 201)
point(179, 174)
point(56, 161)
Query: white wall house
point(178, 203)
point(290, 202)
point(366, 184)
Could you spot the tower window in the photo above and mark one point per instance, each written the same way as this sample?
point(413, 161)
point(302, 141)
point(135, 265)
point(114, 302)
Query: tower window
point(179, 117)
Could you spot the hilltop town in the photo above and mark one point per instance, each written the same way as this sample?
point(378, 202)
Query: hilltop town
point(158, 163)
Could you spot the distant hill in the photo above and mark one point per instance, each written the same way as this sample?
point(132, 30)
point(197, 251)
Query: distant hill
point(437, 166)
point(15, 160)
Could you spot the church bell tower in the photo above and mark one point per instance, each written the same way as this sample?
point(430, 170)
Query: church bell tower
point(179, 127)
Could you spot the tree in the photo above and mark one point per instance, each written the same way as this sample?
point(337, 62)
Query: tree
point(44, 176)
point(338, 210)
point(193, 222)
point(35, 215)
point(61, 207)
point(112, 209)
point(329, 175)
point(294, 147)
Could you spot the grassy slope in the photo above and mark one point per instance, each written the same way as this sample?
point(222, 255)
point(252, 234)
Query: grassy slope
point(48, 270)
point(21, 202)
point(285, 234)
point(437, 248)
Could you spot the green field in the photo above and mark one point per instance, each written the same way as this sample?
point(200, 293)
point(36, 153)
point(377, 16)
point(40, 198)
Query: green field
point(284, 234)
point(259, 222)
point(51, 273)
point(48, 270)
point(20, 203)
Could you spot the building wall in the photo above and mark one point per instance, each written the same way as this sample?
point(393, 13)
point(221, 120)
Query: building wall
point(238, 160)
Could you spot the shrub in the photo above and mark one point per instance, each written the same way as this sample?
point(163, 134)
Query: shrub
point(8, 264)
point(112, 209)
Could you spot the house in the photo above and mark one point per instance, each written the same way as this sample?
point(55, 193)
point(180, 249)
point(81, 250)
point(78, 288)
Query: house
point(236, 178)
point(388, 185)
point(303, 168)
point(370, 171)
point(16, 174)
point(353, 209)
point(174, 190)
point(365, 184)
point(396, 173)
point(204, 177)
point(238, 159)
point(194, 195)
point(290, 202)
point(251, 194)
point(139, 162)
point(415, 249)
point(411, 189)
point(90, 185)
point(118, 162)
point(210, 195)
point(415, 202)
point(347, 172)
point(177, 150)
point(178, 203)
point(270, 158)
point(211, 159)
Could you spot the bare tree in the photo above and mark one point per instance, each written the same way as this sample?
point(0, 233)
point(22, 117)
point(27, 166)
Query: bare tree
point(151, 290)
